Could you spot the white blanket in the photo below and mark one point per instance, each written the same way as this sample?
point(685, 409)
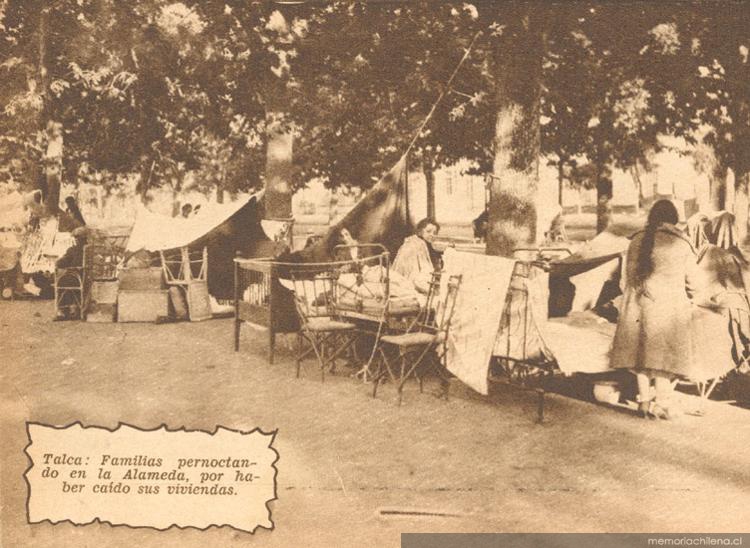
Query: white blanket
point(578, 349)
point(479, 307)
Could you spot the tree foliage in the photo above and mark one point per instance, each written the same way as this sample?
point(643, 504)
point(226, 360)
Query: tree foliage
point(163, 88)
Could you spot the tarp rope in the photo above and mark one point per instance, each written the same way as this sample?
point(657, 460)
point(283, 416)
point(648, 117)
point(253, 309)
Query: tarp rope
point(442, 93)
point(427, 118)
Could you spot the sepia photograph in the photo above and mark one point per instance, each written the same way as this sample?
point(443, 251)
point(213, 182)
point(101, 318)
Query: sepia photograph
point(374, 273)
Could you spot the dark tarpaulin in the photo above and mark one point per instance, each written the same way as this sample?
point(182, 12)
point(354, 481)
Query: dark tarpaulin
point(589, 278)
point(573, 265)
point(381, 216)
point(240, 234)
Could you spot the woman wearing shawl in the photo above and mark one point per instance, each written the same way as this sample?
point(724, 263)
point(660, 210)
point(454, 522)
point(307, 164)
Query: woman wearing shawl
point(697, 230)
point(653, 337)
point(722, 269)
point(416, 259)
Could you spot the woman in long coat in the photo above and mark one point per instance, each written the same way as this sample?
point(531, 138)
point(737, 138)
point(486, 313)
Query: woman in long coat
point(653, 336)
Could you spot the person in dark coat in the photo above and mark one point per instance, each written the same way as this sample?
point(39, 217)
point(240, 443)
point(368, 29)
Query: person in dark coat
point(74, 211)
point(480, 225)
point(73, 257)
point(67, 306)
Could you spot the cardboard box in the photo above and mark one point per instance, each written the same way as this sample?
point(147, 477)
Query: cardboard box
point(142, 305)
point(133, 279)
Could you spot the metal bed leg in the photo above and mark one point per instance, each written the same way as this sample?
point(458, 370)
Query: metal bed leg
point(237, 327)
point(322, 358)
point(540, 406)
point(299, 352)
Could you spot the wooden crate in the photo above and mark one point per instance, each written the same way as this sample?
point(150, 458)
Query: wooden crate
point(179, 303)
point(199, 305)
point(142, 305)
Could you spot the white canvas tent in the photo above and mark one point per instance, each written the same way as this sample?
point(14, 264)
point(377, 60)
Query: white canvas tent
point(154, 232)
point(223, 229)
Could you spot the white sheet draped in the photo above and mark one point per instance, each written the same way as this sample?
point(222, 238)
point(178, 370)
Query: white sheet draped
point(476, 318)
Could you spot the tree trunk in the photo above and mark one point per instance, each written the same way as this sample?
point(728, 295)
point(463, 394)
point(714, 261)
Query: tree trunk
point(278, 194)
point(635, 173)
point(176, 203)
point(741, 205)
point(512, 211)
point(49, 180)
point(53, 166)
point(560, 182)
point(99, 202)
point(729, 189)
point(513, 191)
point(429, 176)
point(144, 183)
point(603, 198)
point(717, 189)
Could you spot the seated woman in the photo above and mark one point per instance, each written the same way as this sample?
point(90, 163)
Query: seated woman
point(722, 269)
point(416, 259)
point(697, 230)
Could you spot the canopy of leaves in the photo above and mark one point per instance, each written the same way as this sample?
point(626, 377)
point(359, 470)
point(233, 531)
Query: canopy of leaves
point(164, 88)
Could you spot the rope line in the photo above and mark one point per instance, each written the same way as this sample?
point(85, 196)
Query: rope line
point(442, 93)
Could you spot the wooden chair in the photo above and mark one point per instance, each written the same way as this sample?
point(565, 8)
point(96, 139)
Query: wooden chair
point(327, 335)
point(70, 292)
point(187, 269)
point(427, 334)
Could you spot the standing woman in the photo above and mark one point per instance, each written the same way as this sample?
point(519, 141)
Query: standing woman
point(653, 336)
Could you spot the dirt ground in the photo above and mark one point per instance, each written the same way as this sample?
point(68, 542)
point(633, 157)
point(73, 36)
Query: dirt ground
point(345, 457)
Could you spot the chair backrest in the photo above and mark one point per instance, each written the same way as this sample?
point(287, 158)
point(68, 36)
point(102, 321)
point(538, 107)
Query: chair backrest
point(425, 319)
point(433, 298)
point(101, 261)
point(436, 314)
point(448, 305)
point(70, 277)
point(354, 258)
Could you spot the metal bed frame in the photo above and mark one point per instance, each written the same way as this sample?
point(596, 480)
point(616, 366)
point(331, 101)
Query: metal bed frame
point(261, 299)
point(266, 302)
point(517, 365)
